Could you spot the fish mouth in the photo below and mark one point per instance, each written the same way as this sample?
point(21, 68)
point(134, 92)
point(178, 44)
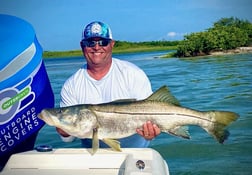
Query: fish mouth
point(46, 117)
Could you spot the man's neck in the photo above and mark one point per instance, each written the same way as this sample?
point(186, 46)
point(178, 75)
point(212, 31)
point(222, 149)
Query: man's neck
point(98, 72)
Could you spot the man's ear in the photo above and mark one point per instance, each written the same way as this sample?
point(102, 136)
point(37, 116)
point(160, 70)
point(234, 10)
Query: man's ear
point(113, 43)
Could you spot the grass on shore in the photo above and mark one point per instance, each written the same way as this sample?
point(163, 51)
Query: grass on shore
point(116, 50)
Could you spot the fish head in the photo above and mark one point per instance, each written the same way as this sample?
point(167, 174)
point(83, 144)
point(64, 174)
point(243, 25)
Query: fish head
point(77, 121)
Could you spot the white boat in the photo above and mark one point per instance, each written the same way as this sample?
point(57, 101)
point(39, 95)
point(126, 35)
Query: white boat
point(68, 161)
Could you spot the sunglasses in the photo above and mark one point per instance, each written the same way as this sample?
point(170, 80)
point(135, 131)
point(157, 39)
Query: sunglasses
point(92, 43)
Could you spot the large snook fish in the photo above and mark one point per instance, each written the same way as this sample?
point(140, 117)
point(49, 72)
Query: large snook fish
point(121, 118)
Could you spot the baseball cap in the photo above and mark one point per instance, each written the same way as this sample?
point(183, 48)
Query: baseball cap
point(97, 29)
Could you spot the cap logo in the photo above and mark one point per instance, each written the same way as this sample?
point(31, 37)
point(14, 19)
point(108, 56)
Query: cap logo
point(96, 28)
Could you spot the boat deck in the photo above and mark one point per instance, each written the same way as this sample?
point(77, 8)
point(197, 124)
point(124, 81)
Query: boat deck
point(131, 161)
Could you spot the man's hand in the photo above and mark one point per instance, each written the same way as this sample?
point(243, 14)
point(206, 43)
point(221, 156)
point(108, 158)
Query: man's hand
point(149, 131)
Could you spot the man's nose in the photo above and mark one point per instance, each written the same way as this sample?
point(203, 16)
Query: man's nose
point(97, 46)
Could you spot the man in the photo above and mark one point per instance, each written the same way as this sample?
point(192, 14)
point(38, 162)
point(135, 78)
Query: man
point(105, 79)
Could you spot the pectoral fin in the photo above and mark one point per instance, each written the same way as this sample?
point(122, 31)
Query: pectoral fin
point(95, 141)
point(114, 144)
point(181, 131)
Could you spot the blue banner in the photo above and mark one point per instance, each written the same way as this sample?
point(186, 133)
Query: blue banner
point(24, 84)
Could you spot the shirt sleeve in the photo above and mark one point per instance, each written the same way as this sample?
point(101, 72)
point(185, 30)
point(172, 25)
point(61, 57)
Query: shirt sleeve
point(140, 84)
point(67, 95)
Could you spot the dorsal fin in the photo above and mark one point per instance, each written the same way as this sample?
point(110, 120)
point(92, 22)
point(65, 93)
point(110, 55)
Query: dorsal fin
point(163, 95)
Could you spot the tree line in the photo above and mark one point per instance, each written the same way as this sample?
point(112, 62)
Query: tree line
point(127, 44)
point(226, 34)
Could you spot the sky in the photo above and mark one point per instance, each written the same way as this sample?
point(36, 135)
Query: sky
point(58, 24)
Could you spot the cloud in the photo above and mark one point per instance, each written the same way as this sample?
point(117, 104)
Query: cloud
point(172, 34)
point(175, 35)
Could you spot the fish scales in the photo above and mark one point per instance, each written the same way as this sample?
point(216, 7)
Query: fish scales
point(119, 121)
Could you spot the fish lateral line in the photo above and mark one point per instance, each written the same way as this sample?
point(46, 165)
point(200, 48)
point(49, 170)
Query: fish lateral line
point(155, 114)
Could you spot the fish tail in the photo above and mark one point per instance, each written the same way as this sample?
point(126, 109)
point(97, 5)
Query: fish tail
point(220, 119)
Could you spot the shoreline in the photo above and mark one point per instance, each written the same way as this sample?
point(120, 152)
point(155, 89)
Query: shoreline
point(239, 50)
point(60, 54)
point(74, 53)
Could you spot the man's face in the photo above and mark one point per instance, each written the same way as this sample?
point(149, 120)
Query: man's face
point(96, 54)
